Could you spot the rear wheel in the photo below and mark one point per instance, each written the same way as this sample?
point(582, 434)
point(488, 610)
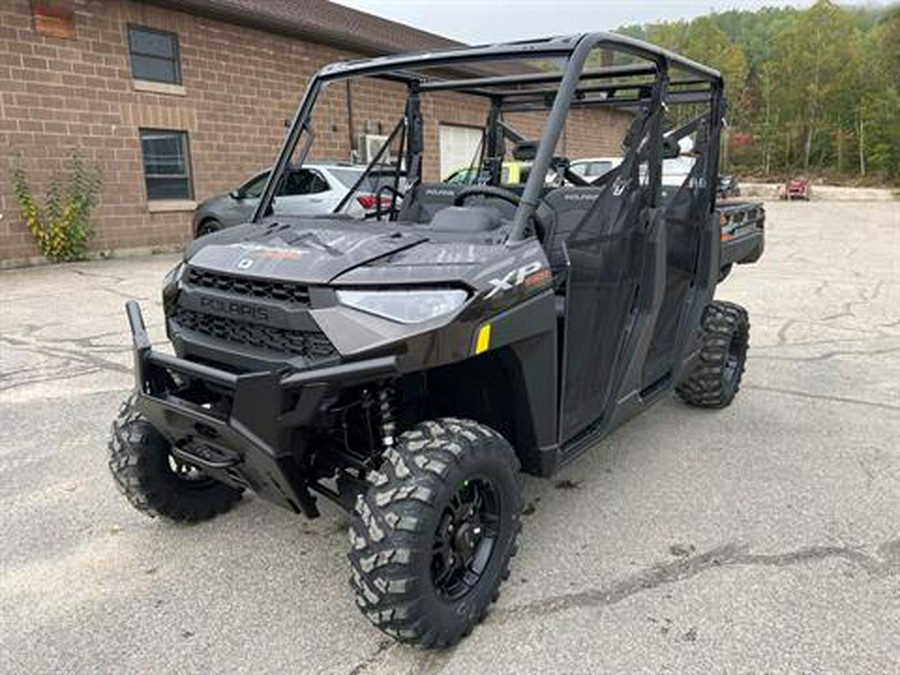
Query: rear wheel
point(156, 482)
point(433, 536)
point(716, 377)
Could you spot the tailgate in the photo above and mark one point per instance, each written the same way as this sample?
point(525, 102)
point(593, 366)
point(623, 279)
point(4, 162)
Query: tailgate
point(743, 227)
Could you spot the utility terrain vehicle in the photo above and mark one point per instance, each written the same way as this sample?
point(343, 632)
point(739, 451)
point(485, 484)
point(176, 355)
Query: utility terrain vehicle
point(409, 364)
point(796, 188)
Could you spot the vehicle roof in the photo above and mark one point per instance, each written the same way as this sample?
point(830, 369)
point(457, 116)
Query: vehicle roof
point(393, 66)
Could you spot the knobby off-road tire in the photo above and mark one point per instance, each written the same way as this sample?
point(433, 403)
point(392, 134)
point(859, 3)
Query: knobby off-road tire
point(154, 482)
point(402, 532)
point(716, 377)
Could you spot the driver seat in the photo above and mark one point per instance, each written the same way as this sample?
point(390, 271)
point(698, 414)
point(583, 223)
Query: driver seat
point(425, 200)
point(569, 205)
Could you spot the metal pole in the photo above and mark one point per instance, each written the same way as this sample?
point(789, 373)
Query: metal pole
point(555, 121)
point(287, 148)
point(350, 134)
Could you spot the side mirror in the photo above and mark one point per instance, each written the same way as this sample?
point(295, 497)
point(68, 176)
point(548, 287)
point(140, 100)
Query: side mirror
point(525, 151)
point(236, 195)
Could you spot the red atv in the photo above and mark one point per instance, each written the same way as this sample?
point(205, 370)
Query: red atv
point(796, 188)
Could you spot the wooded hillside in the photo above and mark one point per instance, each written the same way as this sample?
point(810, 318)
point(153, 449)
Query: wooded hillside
point(814, 91)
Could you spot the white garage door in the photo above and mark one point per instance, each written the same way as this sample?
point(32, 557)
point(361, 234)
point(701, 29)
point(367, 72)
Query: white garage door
point(459, 146)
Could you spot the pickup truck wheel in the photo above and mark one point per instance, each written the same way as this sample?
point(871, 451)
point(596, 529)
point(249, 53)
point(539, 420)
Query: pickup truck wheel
point(716, 377)
point(155, 482)
point(431, 539)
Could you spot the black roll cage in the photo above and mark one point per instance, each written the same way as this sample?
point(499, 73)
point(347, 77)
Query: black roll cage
point(572, 88)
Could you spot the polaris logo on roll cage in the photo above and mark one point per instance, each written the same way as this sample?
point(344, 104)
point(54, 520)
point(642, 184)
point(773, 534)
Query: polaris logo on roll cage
point(512, 279)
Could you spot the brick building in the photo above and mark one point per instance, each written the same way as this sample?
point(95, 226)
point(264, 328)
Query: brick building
point(209, 82)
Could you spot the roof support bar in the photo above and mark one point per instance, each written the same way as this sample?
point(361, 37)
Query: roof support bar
point(538, 78)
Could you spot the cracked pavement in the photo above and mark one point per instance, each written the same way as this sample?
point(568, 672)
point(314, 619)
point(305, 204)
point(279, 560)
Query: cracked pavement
point(763, 537)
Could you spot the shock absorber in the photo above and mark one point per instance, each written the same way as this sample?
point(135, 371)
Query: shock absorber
point(388, 424)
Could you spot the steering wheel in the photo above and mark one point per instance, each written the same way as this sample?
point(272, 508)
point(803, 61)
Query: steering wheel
point(487, 191)
point(498, 193)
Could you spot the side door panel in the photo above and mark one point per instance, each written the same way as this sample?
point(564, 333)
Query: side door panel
point(606, 256)
point(687, 207)
point(641, 270)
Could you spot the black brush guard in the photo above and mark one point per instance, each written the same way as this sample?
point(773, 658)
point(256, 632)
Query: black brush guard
point(243, 447)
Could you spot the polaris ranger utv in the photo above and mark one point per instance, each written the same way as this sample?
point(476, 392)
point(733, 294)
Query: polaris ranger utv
point(407, 365)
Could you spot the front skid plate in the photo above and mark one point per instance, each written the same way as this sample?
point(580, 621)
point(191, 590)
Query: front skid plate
point(188, 426)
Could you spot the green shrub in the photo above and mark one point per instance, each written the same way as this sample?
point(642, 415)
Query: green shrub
point(62, 227)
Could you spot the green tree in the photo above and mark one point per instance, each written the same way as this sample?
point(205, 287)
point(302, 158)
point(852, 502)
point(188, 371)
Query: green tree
point(703, 41)
point(812, 57)
point(816, 88)
point(879, 114)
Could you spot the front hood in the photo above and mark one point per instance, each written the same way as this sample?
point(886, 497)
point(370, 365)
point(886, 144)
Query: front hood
point(309, 251)
point(216, 202)
point(322, 250)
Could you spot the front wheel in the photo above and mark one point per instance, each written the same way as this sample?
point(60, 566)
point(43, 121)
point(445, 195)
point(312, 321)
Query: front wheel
point(716, 377)
point(157, 483)
point(433, 536)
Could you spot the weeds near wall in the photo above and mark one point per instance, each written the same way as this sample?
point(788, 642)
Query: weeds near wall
point(61, 227)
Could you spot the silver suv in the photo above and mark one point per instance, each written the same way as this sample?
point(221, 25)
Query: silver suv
point(314, 189)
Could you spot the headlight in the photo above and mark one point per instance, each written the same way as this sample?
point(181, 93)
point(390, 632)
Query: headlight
point(170, 288)
point(405, 306)
point(172, 275)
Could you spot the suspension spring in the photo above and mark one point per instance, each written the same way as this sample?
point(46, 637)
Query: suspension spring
point(387, 421)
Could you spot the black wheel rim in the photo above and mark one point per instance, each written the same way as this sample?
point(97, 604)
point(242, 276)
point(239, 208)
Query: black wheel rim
point(465, 538)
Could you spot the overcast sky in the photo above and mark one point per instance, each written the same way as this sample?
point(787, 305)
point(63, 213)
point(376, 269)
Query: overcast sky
point(480, 21)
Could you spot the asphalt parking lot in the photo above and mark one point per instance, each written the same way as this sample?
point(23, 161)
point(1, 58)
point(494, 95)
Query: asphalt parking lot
point(764, 537)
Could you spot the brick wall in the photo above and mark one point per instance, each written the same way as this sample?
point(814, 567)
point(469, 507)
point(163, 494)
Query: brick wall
point(61, 95)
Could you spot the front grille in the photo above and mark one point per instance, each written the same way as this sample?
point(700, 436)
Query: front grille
point(294, 294)
point(312, 345)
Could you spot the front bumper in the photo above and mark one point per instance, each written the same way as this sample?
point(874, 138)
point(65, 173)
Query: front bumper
point(746, 248)
point(247, 445)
